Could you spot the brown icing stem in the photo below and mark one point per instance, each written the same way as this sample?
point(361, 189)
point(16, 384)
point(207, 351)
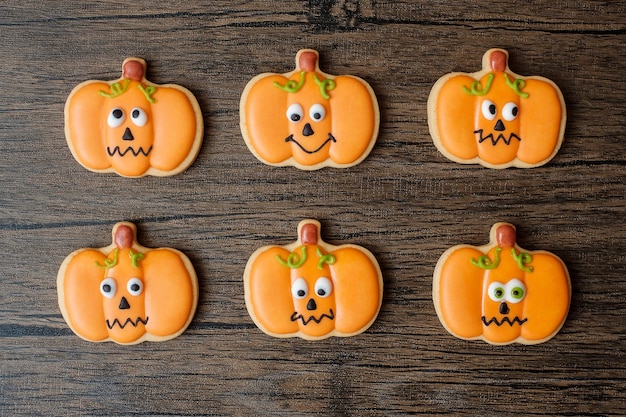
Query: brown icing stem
point(124, 237)
point(506, 235)
point(133, 69)
point(307, 61)
point(498, 60)
point(308, 234)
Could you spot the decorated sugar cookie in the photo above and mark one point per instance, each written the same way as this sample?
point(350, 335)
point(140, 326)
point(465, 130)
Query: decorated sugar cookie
point(132, 126)
point(495, 117)
point(309, 119)
point(312, 289)
point(501, 293)
point(127, 293)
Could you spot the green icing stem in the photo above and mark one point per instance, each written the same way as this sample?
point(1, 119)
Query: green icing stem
point(117, 89)
point(292, 86)
point(325, 86)
point(516, 85)
point(109, 263)
point(325, 259)
point(477, 89)
point(522, 259)
point(484, 262)
point(293, 260)
point(135, 257)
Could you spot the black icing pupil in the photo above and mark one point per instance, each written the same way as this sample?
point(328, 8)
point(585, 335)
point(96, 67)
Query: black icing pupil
point(117, 113)
point(492, 109)
point(514, 111)
point(499, 293)
point(321, 292)
point(301, 293)
point(317, 116)
point(135, 114)
point(134, 287)
point(295, 117)
point(106, 288)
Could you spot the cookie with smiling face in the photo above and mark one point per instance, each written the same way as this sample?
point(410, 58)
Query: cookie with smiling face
point(309, 119)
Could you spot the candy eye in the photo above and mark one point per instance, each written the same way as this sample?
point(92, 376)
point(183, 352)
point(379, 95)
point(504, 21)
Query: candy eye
point(323, 287)
point(515, 291)
point(116, 117)
point(496, 291)
point(134, 286)
point(489, 110)
point(295, 112)
point(108, 287)
point(317, 112)
point(299, 288)
point(510, 111)
point(139, 116)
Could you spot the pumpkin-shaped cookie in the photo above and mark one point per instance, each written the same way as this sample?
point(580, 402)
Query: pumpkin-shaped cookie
point(501, 293)
point(309, 119)
point(132, 126)
point(127, 293)
point(495, 117)
point(312, 289)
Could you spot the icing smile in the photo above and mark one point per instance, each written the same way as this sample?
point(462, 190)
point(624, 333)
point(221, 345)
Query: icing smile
point(494, 141)
point(128, 321)
point(504, 320)
point(330, 138)
point(295, 317)
point(139, 151)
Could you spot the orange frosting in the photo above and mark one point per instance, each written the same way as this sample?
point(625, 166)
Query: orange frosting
point(312, 289)
point(309, 119)
point(495, 117)
point(515, 296)
point(127, 293)
point(133, 127)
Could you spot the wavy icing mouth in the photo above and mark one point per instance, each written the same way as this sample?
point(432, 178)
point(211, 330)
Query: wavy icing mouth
point(504, 320)
point(295, 317)
point(330, 138)
point(139, 151)
point(494, 141)
point(128, 321)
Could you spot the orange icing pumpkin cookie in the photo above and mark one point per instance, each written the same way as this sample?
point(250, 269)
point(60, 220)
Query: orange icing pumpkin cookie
point(309, 119)
point(127, 293)
point(501, 293)
point(495, 117)
point(133, 127)
point(312, 289)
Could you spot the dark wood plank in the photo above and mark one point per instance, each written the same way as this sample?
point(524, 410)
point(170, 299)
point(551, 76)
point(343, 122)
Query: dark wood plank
point(405, 202)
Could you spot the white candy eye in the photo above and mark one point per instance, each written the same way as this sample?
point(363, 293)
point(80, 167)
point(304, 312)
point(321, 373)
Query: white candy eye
point(299, 288)
point(323, 287)
point(515, 291)
point(116, 117)
point(317, 112)
point(134, 286)
point(496, 291)
point(510, 111)
point(108, 287)
point(138, 116)
point(489, 110)
point(295, 112)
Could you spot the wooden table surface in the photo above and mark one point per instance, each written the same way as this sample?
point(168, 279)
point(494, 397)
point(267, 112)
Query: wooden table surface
point(406, 203)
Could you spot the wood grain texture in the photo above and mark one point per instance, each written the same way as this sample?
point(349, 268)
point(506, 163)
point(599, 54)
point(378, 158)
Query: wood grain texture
point(405, 203)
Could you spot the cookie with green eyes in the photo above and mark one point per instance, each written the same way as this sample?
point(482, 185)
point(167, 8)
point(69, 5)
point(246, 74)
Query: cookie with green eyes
point(501, 293)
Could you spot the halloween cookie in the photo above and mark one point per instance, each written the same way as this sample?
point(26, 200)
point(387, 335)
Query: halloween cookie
point(133, 127)
point(495, 117)
point(309, 119)
point(312, 289)
point(127, 293)
point(501, 293)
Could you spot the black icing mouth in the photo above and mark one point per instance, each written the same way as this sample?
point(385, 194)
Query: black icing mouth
point(494, 141)
point(504, 320)
point(330, 138)
point(127, 322)
point(295, 317)
point(139, 151)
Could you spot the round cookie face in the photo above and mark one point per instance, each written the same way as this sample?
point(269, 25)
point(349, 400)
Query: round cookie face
point(307, 118)
point(127, 293)
point(311, 289)
point(133, 127)
point(501, 293)
point(496, 118)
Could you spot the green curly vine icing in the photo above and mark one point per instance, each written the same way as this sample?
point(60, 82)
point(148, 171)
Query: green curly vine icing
point(292, 86)
point(325, 86)
point(484, 262)
point(148, 91)
point(516, 85)
point(117, 89)
point(325, 259)
point(477, 89)
point(109, 263)
point(522, 259)
point(294, 260)
point(135, 257)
